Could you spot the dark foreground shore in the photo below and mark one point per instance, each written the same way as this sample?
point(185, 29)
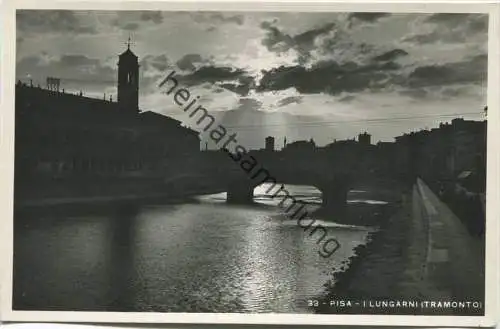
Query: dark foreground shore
point(375, 270)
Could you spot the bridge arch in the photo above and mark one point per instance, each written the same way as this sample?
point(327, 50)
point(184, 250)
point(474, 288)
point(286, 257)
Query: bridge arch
point(333, 190)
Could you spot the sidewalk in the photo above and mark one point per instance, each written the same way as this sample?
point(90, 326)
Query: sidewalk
point(455, 260)
point(423, 253)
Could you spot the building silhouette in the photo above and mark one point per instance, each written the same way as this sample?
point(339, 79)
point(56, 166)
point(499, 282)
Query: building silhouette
point(364, 138)
point(300, 146)
point(443, 152)
point(128, 80)
point(64, 135)
point(270, 143)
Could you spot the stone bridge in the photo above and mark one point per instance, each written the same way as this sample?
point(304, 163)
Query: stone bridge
point(333, 189)
point(333, 177)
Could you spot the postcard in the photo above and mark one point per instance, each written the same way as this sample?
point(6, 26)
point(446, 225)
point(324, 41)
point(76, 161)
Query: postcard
point(250, 163)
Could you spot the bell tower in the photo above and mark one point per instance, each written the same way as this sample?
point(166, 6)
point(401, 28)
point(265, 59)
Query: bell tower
point(128, 80)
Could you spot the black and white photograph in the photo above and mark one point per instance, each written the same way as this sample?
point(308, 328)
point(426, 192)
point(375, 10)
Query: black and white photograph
point(251, 162)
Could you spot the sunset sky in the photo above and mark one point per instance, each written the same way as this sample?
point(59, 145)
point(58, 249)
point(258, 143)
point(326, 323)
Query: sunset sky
point(301, 75)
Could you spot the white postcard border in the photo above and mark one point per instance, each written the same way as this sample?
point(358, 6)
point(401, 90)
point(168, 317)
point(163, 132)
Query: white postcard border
point(7, 69)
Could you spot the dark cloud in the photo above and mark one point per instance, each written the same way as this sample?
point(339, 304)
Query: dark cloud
point(130, 26)
point(124, 24)
point(367, 17)
point(329, 77)
point(276, 40)
point(275, 37)
point(446, 80)
point(431, 37)
point(153, 69)
point(453, 20)
point(451, 28)
point(52, 21)
point(237, 88)
point(242, 86)
point(248, 104)
point(334, 78)
point(437, 36)
point(154, 63)
point(132, 20)
point(236, 19)
point(232, 79)
point(308, 37)
point(290, 100)
point(334, 47)
point(473, 71)
point(187, 62)
point(478, 24)
point(153, 16)
point(390, 55)
point(469, 23)
point(216, 74)
point(217, 18)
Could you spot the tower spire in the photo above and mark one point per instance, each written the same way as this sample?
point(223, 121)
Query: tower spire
point(128, 79)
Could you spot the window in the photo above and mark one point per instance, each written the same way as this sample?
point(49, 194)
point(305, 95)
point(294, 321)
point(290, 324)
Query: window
point(130, 77)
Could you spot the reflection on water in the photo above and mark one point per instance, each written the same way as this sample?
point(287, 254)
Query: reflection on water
point(199, 256)
point(367, 201)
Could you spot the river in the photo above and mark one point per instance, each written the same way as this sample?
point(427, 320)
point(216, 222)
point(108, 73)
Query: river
point(201, 255)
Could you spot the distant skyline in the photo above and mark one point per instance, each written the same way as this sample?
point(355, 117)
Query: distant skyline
point(324, 76)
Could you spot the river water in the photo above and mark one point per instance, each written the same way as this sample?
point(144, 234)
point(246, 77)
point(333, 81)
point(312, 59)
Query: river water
point(201, 255)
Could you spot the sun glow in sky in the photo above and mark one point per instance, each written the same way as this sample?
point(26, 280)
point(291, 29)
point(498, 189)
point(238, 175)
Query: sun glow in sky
point(324, 76)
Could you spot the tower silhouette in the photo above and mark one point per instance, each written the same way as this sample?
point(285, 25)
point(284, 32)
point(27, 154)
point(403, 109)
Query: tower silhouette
point(128, 80)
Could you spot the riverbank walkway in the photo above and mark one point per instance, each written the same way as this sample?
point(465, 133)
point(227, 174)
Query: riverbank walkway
point(453, 266)
point(423, 252)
